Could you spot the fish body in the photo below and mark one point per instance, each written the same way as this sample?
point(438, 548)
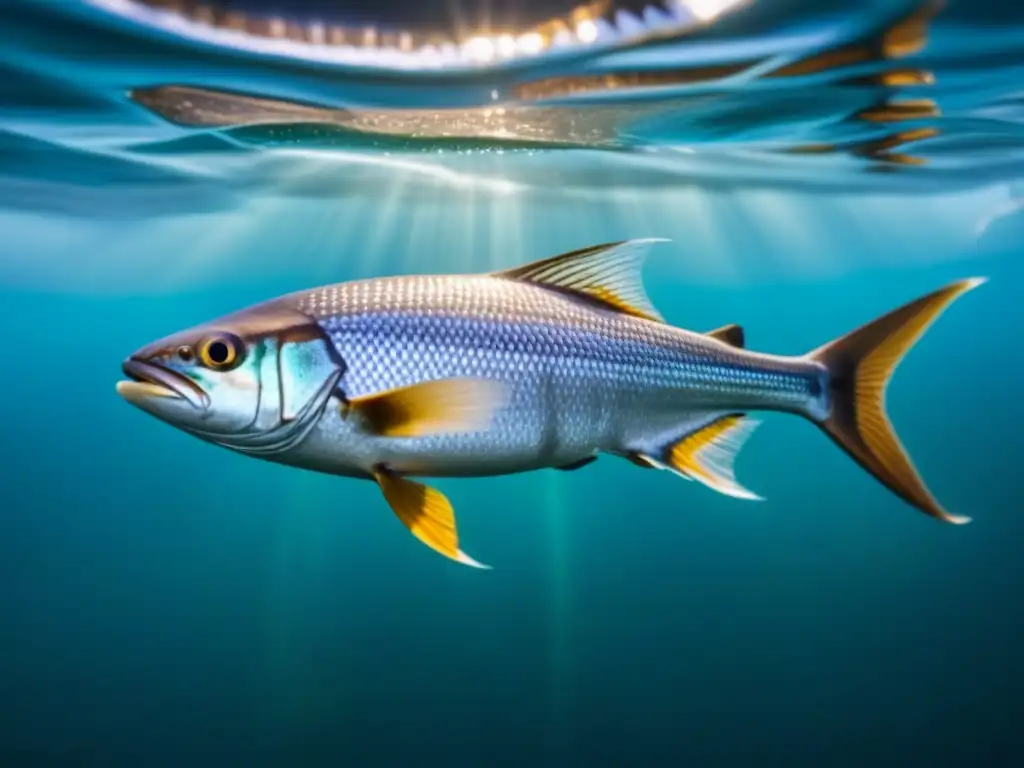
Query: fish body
point(547, 365)
point(581, 379)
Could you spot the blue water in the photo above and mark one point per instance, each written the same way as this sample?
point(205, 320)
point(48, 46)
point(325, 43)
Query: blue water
point(166, 602)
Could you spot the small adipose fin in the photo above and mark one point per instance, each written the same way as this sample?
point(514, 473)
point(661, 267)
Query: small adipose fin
point(707, 454)
point(608, 274)
point(426, 512)
point(445, 405)
point(731, 334)
point(577, 464)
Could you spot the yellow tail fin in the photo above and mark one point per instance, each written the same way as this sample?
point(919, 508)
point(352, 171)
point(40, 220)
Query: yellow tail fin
point(860, 365)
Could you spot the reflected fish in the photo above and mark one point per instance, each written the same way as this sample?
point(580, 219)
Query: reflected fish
point(546, 365)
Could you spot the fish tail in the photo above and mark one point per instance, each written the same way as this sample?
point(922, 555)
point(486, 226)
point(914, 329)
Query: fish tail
point(859, 366)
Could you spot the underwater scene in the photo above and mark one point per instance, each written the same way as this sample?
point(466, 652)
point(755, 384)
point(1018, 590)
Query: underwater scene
point(512, 383)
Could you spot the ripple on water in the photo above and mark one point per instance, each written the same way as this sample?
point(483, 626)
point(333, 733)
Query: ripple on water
point(105, 111)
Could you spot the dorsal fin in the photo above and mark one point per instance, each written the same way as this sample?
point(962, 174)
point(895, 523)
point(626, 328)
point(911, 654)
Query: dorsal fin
point(608, 274)
point(731, 334)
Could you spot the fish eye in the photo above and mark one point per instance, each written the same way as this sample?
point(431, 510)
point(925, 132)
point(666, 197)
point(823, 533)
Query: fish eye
point(221, 352)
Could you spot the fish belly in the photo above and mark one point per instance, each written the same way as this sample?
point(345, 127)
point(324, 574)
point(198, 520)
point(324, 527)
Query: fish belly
point(550, 420)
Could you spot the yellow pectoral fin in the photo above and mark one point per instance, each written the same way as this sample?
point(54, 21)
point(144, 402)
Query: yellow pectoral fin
point(446, 405)
point(427, 514)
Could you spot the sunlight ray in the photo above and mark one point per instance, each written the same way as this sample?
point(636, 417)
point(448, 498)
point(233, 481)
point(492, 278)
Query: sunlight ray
point(560, 600)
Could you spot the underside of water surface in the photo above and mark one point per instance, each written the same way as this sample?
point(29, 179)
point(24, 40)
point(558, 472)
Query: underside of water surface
point(717, 92)
point(813, 163)
point(685, 115)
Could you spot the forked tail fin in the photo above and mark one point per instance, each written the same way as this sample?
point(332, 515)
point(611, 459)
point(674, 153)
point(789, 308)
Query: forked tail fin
point(860, 365)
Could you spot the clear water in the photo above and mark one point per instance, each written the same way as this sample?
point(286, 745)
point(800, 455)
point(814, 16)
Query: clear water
point(165, 602)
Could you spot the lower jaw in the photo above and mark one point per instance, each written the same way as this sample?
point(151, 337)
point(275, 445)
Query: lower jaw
point(594, 26)
point(134, 391)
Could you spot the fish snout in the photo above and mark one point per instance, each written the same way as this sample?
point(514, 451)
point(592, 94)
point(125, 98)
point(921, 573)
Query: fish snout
point(147, 381)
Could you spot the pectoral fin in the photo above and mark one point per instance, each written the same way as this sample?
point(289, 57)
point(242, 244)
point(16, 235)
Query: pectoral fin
point(446, 405)
point(426, 512)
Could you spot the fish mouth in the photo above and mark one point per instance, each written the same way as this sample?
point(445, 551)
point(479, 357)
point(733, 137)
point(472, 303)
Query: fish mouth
point(147, 382)
point(424, 38)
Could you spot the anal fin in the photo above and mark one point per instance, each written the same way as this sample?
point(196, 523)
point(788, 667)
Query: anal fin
point(707, 454)
point(426, 512)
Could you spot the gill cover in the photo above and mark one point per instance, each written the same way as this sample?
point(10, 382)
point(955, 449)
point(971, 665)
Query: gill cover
point(305, 364)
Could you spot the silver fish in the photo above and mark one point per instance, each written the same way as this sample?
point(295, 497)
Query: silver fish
point(545, 365)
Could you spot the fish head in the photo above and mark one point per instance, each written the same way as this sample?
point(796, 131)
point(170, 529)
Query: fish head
point(253, 381)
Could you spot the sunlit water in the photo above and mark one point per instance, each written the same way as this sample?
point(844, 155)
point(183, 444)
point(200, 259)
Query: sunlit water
point(169, 603)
